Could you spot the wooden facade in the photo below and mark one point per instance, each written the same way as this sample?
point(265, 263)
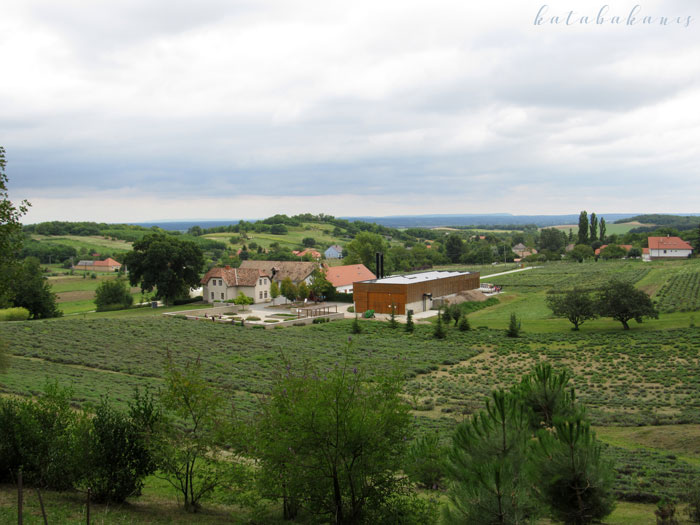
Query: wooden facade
point(380, 296)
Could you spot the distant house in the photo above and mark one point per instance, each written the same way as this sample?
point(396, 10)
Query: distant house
point(334, 252)
point(108, 265)
point(308, 251)
point(627, 247)
point(297, 271)
point(222, 284)
point(522, 251)
point(342, 277)
point(668, 248)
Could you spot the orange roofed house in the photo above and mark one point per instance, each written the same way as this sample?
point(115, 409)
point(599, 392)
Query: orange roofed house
point(108, 265)
point(342, 277)
point(667, 248)
point(222, 284)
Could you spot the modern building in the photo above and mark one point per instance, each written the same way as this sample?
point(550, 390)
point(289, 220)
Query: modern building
point(411, 292)
point(334, 252)
point(223, 284)
point(668, 248)
point(343, 277)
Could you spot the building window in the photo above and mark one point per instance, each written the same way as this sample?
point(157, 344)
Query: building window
point(260, 295)
point(220, 282)
point(212, 296)
point(265, 294)
point(260, 282)
point(222, 296)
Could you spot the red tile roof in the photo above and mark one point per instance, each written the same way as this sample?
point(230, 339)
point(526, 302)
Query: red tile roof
point(313, 253)
point(668, 243)
point(345, 275)
point(107, 262)
point(235, 276)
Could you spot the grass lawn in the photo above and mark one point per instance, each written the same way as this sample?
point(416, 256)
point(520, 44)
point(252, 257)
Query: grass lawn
point(92, 243)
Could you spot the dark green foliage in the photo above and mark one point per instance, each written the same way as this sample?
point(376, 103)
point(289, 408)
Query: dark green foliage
point(116, 457)
point(623, 302)
point(547, 395)
point(552, 239)
point(31, 290)
point(309, 242)
point(363, 247)
point(331, 442)
point(593, 234)
point(463, 324)
point(288, 289)
point(692, 497)
point(454, 247)
point(583, 228)
point(613, 251)
point(111, 293)
point(488, 466)
point(446, 315)
point(410, 325)
point(356, 328)
point(666, 513)
point(40, 437)
point(575, 305)
point(575, 481)
point(513, 326)
point(425, 462)
point(455, 312)
point(603, 230)
point(166, 263)
point(439, 330)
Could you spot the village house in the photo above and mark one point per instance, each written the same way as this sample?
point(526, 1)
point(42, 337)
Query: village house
point(522, 251)
point(223, 284)
point(627, 247)
point(108, 265)
point(314, 254)
point(334, 252)
point(343, 277)
point(667, 248)
point(297, 271)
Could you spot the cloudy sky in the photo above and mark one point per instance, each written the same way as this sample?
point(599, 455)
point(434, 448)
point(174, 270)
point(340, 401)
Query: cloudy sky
point(148, 110)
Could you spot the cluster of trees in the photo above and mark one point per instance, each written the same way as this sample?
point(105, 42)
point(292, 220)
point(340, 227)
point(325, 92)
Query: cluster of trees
point(619, 300)
point(330, 444)
point(22, 284)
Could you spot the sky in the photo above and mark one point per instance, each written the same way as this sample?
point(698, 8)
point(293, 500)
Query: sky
point(136, 111)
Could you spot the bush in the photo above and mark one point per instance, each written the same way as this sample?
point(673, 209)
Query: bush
point(351, 309)
point(513, 326)
point(463, 324)
point(243, 299)
point(117, 458)
point(187, 300)
point(368, 314)
point(252, 318)
point(113, 295)
point(14, 314)
point(320, 320)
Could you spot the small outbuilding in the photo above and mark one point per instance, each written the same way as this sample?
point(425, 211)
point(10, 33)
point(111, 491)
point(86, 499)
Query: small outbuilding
point(411, 292)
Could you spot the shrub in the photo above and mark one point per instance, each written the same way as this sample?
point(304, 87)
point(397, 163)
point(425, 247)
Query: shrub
point(463, 324)
point(513, 326)
point(14, 314)
point(351, 309)
point(368, 314)
point(187, 300)
point(410, 325)
point(252, 318)
point(243, 299)
point(439, 330)
point(356, 328)
point(113, 295)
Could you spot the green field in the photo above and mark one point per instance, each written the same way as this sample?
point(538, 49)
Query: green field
point(90, 244)
point(320, 232)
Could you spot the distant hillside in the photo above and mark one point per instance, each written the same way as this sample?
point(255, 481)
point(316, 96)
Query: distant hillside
point(677, 222)
point(482, 221)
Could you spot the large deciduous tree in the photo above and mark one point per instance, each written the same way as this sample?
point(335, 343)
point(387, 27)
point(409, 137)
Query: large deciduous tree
point(31, 290)
point(170, 265)
point(363, 247)
point(593, 236)
point(552, 239)
point(454, 246)
point(623, 302)
point(113, 294)
point(575, 305)
point(583, 228)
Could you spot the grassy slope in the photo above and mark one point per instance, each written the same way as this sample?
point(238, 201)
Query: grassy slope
point(92, 243)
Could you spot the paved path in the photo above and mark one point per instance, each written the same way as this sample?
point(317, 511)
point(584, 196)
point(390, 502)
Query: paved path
point(509, 271)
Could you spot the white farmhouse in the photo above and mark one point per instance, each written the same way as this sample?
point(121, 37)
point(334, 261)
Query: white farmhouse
point(222, 284)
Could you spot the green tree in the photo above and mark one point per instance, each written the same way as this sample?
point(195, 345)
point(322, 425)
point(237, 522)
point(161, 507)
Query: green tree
point(552, 239)
point(463, 324)
point(274, 290)
point(166, 263)
point(454, 246)
point(187, 441)
point(425, 462)
point(583, 228)
point(576, 305)
point(488, 466)
point(320, 286)
point(574, 479)
point(309, 242)
point(113, 293)
point(455, 312)
point(31, 290)
point(593, 233)
point(332, 441)
point(289, 291)
point(393, 323)
point(410, 325)
point(603, 230)
point(514, 326)
point(302, 291)
point(363, 247)
point(581, 252)
point(243, 299)
point(613, 251)
point(547, 395)
point(116, 455)
point(439, 330)
point(623, 302)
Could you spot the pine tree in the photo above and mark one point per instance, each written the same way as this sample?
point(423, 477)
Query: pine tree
point(409, 321)
point(583, 228)
point(513, 326)
point(594, 228)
